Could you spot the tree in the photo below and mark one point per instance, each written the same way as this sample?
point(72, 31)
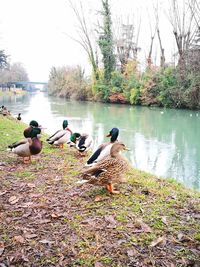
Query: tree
point(68, 82)
point(3, 59)
point(15, 72)
point(85, 39)
point(106, 42)
point(182, 20)
point(162, 50)
point(127, 44)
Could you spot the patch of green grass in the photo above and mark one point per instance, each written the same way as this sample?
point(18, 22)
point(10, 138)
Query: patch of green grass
point(106, 260)
point(122, 217)
point(197, 236)
point(5, 237)
point(48, 260)
point(158, 224)
point(89, 262)
point(25, 174)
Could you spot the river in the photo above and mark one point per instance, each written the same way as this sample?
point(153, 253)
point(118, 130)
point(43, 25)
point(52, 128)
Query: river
point(165, 142)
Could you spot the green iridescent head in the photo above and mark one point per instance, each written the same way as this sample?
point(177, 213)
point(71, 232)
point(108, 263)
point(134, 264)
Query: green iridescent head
point(34, 123)
point(65, 124)
point(74, 137)
point(35, 131)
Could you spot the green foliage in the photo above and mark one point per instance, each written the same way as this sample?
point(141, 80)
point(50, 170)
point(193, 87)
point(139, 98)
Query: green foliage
point(134, 86)
point(102, 90)
point(106, 42)
point(135, 96)
point(159, 88)
point(192, 93)
point(116, 82)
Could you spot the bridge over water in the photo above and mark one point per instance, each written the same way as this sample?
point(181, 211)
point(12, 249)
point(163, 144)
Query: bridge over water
point(28, 85)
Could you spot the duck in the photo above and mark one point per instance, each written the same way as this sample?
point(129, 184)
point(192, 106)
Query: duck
point(1, 108)
point(73, 139)
point(104, 149)
point(61, 136)
point(29, 146)
point(108, 171)
point(19, 117)
point(84, 143)
point(27, 131)
point(4, 111)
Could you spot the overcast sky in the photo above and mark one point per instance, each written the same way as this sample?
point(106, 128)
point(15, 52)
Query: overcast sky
point(32, 31)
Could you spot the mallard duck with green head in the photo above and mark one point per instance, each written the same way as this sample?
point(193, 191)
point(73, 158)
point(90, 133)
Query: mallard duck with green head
point(104, 149)
point(27, 131)
point(73, 139)
point(108, 171)
point(84, 143)
point(27, 147)
point(61, 136)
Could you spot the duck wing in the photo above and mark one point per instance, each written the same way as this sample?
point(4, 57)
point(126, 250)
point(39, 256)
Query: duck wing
point(59, 134)
point(84, 143)
point(18, 143)
point(100, 166)
point(48, 139)
point(98, 152)
point(95, 155)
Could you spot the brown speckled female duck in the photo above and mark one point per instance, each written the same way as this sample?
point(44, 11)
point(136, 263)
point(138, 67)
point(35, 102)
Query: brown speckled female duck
point(109, 170)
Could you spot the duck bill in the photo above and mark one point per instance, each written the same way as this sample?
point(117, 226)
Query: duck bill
point(108, 135)
point(127, 149)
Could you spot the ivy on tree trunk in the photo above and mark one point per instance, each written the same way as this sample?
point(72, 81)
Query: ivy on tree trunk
point(106, 42)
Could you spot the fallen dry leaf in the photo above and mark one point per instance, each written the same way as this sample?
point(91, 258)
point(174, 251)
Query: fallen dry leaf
point(159, 240)
point(55, 215)
point(98, 198)
point(164, 220)
point(44, 221)
point(110, 219)
point(3, 193)
point(12, 200)
point(1, 248)
point(98, 264)
point(132, 252)
point(30, 236)
point(19, 239)
point(140, 227)
point(180, 236)
point(45, 241)
point(31, 185)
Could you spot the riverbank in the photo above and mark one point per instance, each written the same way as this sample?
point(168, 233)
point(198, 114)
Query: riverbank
point(12, 91)
point(47, 220)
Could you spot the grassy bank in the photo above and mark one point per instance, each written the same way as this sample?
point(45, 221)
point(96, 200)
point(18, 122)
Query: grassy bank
point(48, 220)
point(12, 92)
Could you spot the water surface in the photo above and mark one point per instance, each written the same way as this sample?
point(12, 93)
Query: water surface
point(164, 142)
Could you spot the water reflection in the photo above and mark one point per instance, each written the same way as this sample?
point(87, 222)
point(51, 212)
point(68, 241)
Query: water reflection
point(162, 141)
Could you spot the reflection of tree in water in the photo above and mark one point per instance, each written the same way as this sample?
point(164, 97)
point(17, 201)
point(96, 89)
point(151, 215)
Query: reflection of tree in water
point(16, 103)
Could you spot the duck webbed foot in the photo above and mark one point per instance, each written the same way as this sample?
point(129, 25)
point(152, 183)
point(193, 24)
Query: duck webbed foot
point(26, 160)
point(110, 189)
point(61, 145)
